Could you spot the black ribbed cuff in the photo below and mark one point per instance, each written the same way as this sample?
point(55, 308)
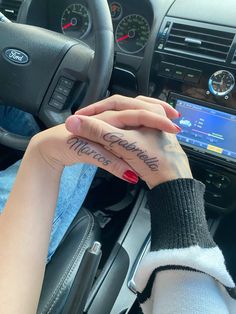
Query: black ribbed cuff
point(178, 216)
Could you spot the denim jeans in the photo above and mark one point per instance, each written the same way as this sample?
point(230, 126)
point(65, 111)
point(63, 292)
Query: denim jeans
point(75, 181)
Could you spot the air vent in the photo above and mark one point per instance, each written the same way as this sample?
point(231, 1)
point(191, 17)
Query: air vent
point(234, 58)
point(10, 8)
point(199, 41)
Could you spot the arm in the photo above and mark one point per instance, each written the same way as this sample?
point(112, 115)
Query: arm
point(184, 265)
point(25, 230)
point(26, 221)
point(27, 218)
point(185, 270)
point(25, 224)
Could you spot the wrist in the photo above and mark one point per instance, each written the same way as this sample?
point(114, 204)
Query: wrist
point(36, 151)
point(167, 178)
point(175, 168)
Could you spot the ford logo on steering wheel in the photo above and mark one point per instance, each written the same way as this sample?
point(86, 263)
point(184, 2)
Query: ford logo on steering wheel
point(16, 56)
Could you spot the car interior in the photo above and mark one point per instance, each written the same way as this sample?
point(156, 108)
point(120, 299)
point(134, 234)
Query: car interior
point(76, 52)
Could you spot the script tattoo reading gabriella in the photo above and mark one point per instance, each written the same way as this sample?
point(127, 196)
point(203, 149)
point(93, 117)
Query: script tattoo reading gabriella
point(116, 138)
point(81, 146)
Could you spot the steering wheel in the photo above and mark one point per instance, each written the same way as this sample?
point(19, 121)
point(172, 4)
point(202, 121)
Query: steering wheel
point(45, 73)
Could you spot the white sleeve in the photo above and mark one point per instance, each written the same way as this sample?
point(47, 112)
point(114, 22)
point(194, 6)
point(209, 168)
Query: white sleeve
point(185, 271)
point(185, 292)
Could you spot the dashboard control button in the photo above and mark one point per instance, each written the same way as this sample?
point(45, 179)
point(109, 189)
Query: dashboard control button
point(56, 104)
point(221, 182)
point(209, 178)
point(172, 102)
point(215, 195)
point(66, 82)
point(192, 75)
point(59, 97)
point(217, 184)
point(63, 90)
point(179, 72)
point(217, 181)
point(166, 69)
point(208, 181)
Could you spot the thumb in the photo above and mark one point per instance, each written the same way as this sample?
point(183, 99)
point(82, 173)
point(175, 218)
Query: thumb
point(89, 128)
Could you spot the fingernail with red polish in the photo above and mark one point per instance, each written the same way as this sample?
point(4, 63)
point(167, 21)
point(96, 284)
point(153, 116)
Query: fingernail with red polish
point(177, 127)
point(179, 114)
point(130, 176)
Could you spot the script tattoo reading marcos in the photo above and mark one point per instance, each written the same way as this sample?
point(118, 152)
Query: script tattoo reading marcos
point(81, 146)
point(118, 139)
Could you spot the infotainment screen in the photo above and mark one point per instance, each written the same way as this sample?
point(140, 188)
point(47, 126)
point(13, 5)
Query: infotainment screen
point(207, 129)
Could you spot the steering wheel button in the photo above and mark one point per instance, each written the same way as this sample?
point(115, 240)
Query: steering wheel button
point(66, 82)
point(59, 97)
point(56, 104)
point(63, 90)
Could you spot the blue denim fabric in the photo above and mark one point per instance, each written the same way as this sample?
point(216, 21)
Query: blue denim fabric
point(75, 181)
point(17, 121)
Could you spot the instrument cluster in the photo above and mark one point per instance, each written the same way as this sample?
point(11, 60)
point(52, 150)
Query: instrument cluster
point(131, 22)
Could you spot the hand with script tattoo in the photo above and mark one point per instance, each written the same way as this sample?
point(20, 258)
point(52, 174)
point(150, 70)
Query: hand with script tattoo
point(154, 155)
point(60, 148)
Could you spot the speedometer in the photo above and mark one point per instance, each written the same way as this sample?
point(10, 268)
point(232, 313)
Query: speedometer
point(75, 21)
point(132, 33)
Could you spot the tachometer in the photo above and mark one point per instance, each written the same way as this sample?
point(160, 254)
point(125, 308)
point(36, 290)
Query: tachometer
point(76, 21)
point(132, 33)
point(221, 83)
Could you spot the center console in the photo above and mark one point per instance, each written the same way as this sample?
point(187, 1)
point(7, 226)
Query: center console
point(194, 68)
point(209, 138)
point(190, 62)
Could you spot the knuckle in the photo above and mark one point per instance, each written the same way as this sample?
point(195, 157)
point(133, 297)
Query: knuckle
point(142, 114)
point(117, 167)
point(161, 111)
point(94, 131)
point(116, 99)
point(140, 97)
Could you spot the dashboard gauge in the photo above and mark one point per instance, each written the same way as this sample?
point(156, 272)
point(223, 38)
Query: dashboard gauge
point(132, 33)
point(221, 83)
point(116, 10)
point(76, 21)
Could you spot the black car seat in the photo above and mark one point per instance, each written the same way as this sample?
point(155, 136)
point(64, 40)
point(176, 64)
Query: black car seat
point(62, 268)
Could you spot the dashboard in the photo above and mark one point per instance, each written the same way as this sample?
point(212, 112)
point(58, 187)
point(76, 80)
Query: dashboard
point(180, 51)
point(132, 22)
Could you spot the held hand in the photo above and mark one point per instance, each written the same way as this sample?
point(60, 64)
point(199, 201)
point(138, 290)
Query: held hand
point(129, 112)
point(59, 148)
point(155, 156)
